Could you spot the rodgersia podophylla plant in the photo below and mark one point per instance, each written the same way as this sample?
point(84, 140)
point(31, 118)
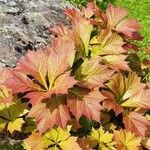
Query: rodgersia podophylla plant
point(83, 92)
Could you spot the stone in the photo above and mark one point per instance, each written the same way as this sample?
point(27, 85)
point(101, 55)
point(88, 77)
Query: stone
point(24, 24)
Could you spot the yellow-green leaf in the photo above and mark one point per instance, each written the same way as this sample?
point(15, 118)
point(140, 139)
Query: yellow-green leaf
point(15, 125)
point(58, 138)
point(102, 139)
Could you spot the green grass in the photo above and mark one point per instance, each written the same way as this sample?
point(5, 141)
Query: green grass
point(140, 10)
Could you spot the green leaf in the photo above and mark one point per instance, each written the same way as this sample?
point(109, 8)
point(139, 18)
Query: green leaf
point(30, 125)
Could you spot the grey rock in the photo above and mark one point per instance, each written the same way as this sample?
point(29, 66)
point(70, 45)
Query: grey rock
point(24, 24)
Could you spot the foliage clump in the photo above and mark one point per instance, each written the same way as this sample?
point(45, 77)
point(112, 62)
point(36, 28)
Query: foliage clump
point(84, 91)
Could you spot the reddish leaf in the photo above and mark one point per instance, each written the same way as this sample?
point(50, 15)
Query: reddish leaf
point(110, 103)
point(43, 117)
point(34, 64)
point(47, 115)
point(19, 82)
point(88, 12)
point(42, 77)
point(82, 30)
point(82, 101)
point(136, 123)
point(74, 15)
point(115, 15)
point(57, 64)
point(116, 21)
point(34, 142)
point(5, 74)
point(60, 30)
point(64, 46)
point(129, 27)
point(100, 16)
point(123, 93)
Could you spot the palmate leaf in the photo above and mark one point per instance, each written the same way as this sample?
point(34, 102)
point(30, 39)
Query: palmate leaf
point(61, 45)
point(55, 139)
point(101, 139)
point(126, 92)
point(43, 117)
point(10, 115)
point(92, 74)
point(60, 31)
point(109, 46)
point(34, 142)
point(55, 112)
point(110, 103)
point(45, 80)
point(128, 27)
point(141, 100)
point(116, 62)
point(84, 30)
point(41, 74)
point(136, 123)
point(99, 16)
point(107, 43)
point(83, 101)
point(124, 95)
point(125, 140)
point(115, 15)
point(58, 138)
point(80, 33)
point(81, 26)
point(86, 13)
